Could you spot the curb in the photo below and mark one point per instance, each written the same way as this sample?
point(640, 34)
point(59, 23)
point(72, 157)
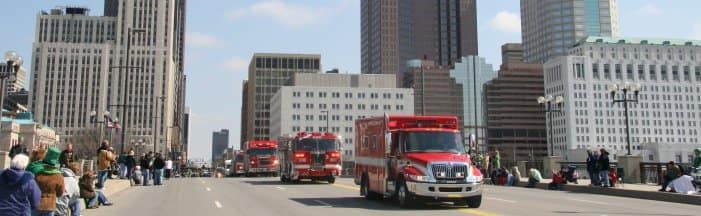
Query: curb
point(112, 186)
point(637, 194)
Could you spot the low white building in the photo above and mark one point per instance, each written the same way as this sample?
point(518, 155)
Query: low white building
point(314, 100)
point(669, 106)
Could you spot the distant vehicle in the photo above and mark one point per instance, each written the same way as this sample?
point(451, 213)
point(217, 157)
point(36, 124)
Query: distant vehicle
point(205, 173)
point(238, 168)
point(415, 158)
point(260, 158)
point(315, 156)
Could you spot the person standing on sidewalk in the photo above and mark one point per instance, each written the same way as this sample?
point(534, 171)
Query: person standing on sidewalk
point(592, 168)
point(604, 166)
point(169, 168)
point(122, 165)
point(50, 181)
point(67, 156)
point(145, 167)
point(19, 192)
point(130, 162)
point(158, 165)
point(104, 162)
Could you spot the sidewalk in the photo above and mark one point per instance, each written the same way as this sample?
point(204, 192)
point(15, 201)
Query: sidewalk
point(638, 191)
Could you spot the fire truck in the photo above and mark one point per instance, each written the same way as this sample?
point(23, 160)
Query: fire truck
point(239, 164)
point(260, 158)
point(415, 159)
point(315, 156)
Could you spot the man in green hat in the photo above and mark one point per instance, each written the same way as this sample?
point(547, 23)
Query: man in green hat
point(49, 179)
point(697, 159)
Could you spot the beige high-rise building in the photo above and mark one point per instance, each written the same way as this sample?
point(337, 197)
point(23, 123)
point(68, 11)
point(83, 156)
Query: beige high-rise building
point(266, 73)
point(550, 27)
point(80, 62)
point(435, 91)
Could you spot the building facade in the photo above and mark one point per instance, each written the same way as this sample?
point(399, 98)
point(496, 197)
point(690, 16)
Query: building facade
point(13, 83)
point(244, 115)
point(396, 31)
point(266, 74)
point(472, 72)
point(80, 61)
point(669, 106)
point(315, 100)
point(550, 27)
point(515, 122)
point(220, 141)
point(435, 91)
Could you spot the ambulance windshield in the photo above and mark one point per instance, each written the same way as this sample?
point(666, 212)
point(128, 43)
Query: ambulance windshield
point(433, 142)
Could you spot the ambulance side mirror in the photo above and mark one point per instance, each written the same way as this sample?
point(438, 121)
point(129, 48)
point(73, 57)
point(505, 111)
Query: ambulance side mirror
point(388, 143)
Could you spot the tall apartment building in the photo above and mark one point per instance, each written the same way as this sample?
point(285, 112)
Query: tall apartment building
point(396, 31)
point(220, 141)
point(313, 100)
point(435, 91)
point(244, 114)
point(266, 73)
point(515, 122)
point(472, 72)
point(669, 107)
point(550, 27)
point(79, 65)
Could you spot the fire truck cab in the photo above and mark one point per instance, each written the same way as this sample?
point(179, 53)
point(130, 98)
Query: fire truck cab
point(315, 156)
point(415, 158)
point(260, 158)
point(239, 164)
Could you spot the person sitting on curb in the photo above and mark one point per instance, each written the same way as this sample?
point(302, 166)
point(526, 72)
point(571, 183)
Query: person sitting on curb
point(19, 192)
point(534, 178)
point(558, 180)
point(93, 198)
point(673, 172)
point(70, 199)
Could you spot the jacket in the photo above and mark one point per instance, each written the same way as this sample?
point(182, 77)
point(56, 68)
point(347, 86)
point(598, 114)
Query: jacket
point(87, 188)
point(591, 162)
point(105, 160)
point(697, 158)
point(131, 162)
point(67, 157)
point(19, 193)
point(146, 163)
point(604, 163)
point(51, 187)
point(72, 193)
point(159, 163)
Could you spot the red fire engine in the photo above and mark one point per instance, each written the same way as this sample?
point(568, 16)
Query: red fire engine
point(260, 158)
point(415, 158)
point(314, 156)
point(239, 164)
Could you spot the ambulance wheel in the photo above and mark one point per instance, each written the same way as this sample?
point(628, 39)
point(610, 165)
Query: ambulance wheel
point(365, 190)
point(474, 202)
point(331, 180)
point(284, 179)
point(404, 197)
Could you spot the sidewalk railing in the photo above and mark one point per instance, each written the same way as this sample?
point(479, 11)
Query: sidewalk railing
point(653, 173)
point(581, 168)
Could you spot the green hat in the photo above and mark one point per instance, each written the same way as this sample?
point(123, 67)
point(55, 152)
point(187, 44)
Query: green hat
point(52, 155)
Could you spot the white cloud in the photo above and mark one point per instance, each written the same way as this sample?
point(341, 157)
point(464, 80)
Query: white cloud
point(236, 64)
point(649, 9)
point(287, 14)
point(697, 30)
point(507, 22)
point(199, 39)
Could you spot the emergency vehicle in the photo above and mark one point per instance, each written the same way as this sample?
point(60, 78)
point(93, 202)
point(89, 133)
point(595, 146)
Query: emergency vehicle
point(315, 156)
point(260, 158)
point(239, 164)
point(415, 159)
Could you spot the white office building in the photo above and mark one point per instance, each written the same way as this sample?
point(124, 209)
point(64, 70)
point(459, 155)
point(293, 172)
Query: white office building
point(669, 108)
point(79, 65)
point(339, 99)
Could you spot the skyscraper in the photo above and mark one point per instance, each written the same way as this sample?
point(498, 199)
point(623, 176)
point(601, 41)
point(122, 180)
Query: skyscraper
point(80, 65)
point(472, 72)
point(550, 27)
point(266, 73)
point(435, 91)
point(394, 32)
point(220, 141)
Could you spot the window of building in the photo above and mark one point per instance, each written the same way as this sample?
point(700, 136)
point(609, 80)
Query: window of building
point(629, 71)
point(349, 106)
point(641, 72)
point(663, 72)
point(310, 94)
point(618, 72)
point(697, 72)
point(675, 72)
point(653, 73)
point(607, 71)
point(595, 70)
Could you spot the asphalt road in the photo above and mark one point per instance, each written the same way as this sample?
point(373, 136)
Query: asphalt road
point(267, 196)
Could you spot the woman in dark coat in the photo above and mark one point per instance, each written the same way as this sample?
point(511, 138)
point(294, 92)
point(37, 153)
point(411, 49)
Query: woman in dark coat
point(604, 166)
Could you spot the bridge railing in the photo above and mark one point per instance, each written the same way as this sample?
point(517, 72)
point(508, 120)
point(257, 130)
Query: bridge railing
point(653, 173)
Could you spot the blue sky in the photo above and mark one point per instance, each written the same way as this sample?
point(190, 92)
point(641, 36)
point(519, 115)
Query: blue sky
point(222, 35)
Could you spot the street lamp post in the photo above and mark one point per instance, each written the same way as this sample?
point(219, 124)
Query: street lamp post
point(625, 87)
point(13, 65)
point(550, 106)
point(327, 119)
point(95, 121)
point(125, 86)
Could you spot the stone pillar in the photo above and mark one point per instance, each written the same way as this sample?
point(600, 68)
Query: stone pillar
point(4, 160)
point(631, 168)
point(550, 163)
point(522, 168)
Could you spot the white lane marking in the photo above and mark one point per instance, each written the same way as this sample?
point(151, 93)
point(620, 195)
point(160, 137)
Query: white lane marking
point(323, 203)
point(208, 189)
point(216, 203)
point(280, 188)
point(588, 201)
point(503, 200)
point(202, 181)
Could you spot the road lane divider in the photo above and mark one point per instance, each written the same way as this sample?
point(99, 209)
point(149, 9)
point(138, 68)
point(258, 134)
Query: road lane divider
point(208, 189)
point(217, 204)
point(280, 188)
point(478, 212)
point(347, 186)
point(588, 201)
point(325, 204)
point(497, 199)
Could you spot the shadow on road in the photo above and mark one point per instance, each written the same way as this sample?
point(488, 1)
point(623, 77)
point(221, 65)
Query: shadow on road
point(362, 203)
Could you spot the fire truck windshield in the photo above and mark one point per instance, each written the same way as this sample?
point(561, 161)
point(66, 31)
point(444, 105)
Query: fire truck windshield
point(316, 145)
point(433, 142)
point(239, 158)
point(261, 151)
